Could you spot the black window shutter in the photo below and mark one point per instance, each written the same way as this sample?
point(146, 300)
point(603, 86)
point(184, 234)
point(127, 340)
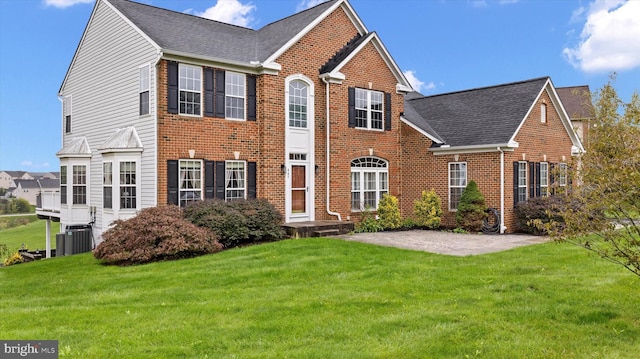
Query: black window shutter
point(532, 179)
point(172, 182)
point(219, 177)
point(515, 183)
point(251, 97)
point(209, 94)
point(538, 190)
point(172, 87)
point(219, 90)
point(387, 111)
point(209, 184)
point(352, 107)
point(552, 177)
point(251, 180)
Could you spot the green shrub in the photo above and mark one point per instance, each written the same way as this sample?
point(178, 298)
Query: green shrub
point(368, 223)
point(471, 209)
point(409, 223)
point(537, 215)
point(15, 258)
point(157, 233)
point(389, 212)
point(428, 210)
point(237, 222)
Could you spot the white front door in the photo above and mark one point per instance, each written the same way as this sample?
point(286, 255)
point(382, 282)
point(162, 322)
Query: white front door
point(299, 150)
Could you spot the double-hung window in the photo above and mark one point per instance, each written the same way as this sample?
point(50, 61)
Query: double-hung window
point(522, 181)
point(144, 86)
point(128, 184)
point(562, 174)
point(457, 183)
point(79, 184)
point(190, 89)
point(235, 180)
point(369, 109)
point(369, 182)
point(63, 184)
point(544, 179)
point(234, 95)
point(107, 184)
point(66, 113)
point(190, 181)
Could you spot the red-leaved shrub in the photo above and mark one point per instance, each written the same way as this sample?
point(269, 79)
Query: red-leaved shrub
point(157, 233)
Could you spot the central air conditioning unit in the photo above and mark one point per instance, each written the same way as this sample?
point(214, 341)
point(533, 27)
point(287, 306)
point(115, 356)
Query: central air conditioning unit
point(77, 238)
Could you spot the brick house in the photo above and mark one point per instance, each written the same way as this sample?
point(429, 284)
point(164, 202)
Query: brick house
point(164, 107)
point(508, 138)
point(309, 112)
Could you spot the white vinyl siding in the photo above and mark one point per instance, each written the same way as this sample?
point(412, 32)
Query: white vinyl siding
point(104, 79)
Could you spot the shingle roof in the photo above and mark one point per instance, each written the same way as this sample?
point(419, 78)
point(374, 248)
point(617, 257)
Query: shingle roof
point(198, 36)
point(482, 116)
point(576, 101)
point(27, 183)
point(343, 53)
point(47, 183)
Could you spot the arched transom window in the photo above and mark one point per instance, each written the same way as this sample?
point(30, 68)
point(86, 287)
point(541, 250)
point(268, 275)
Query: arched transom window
point(298, 107)
point(369, 181)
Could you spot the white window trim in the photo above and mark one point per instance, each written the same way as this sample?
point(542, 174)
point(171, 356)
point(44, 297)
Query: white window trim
point(562, 174)
point(64, 185)
point(466, 176)
point(543, 113)
point(67, 111)
point(369, 110)
point(134, 186)
point(116, 158)
point(226, 180)
point(180, 189)
point(544, 174)
point(378, 188)
point(243, 97)
point(523, 180)
point(288, 102)
point(75, 185)
point(145, 86)
point(104, 184)
point(200, 91)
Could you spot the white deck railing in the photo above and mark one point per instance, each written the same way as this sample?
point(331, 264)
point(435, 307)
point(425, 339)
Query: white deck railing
point(48, 203)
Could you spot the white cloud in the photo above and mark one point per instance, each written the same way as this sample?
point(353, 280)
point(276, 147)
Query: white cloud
point(479, 3)
point(65, 3)
point(416, 83)
point(306, 4)
point(609, 38)
point(27, 163)
point(507, 2)
point(229, 11)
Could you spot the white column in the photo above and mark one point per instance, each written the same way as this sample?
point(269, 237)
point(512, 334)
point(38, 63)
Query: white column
point(48, 231)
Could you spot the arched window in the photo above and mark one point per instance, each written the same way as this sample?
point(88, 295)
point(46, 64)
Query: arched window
point(369, 181)
point(298, 107)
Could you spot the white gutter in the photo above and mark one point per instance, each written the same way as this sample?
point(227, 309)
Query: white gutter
point(448, 150)
point(329, 152)
point(502, 226)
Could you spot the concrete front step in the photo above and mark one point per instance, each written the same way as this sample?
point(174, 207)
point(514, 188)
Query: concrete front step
point(317, 228)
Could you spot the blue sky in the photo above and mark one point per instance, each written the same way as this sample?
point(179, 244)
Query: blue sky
point(441, 45)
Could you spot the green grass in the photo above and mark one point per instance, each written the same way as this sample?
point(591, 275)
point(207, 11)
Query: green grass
point(324, 298)
point(33, 235)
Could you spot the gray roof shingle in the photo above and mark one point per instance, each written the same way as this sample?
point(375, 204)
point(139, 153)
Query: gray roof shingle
point(202, 37)
point(576, 101)
point(482, 116)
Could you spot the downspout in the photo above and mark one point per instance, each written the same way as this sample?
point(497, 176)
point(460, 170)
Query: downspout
point(328, 161)
point(502, 226)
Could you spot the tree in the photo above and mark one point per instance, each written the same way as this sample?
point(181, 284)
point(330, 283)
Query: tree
point(606, 220)
point(472, 209)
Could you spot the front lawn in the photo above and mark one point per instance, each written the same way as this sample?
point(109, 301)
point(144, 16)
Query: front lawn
point(32, 235)
point(325, 298)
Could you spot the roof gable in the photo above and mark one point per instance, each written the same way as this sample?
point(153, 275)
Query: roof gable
point(478, 117)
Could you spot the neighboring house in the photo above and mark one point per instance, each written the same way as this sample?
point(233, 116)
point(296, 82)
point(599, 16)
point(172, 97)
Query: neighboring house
point(7, 178)
point(508, 138)
point(579, 106)
point(29, 189)
point(163, 107)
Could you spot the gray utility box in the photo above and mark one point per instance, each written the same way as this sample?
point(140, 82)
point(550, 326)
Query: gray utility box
point(76, 239)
